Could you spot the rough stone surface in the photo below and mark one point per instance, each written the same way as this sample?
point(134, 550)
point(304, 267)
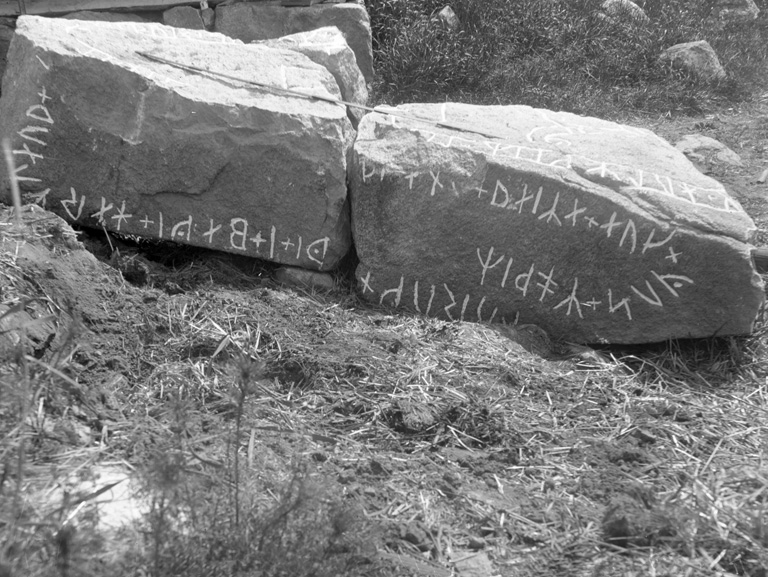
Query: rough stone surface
point(625, 9)
point(7, 26)
point(594, 231)
point(307, 279)
point(327, 47)
point(184, 17)
point(249, 22)
point(703, 150)
point(209, 17)
point(105, 137)
point(737, 11)
point(92, 16)
point(697, 58)
point(474, 565)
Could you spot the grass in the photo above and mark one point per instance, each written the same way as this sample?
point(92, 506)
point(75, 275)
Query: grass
point(560, 54)
point(200, 508)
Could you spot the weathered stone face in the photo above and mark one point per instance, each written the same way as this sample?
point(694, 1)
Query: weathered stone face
point(103, 136)
point(327, 47)
point(184, 17)
point(595, 231)
point(248, 21)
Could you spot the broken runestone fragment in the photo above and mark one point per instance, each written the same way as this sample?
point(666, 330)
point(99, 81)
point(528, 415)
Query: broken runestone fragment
point(105, 137)
point(596, 232)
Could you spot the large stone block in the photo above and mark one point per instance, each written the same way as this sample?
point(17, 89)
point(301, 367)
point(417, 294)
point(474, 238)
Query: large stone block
point(254, 21)
point(103, 136)
point(595, 231)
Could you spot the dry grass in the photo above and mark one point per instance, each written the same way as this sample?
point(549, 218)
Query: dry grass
point(270, 402)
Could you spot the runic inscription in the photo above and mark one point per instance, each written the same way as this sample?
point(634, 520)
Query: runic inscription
point(233, 234)
point(521, 274)
point(554, 131)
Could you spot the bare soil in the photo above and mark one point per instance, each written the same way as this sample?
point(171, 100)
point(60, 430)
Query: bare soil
point(461, 452)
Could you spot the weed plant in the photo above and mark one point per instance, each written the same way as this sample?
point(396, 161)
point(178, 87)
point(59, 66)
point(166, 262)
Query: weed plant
point(560, 54)
point(195, 515)
point(201, 516)
point(213, 517)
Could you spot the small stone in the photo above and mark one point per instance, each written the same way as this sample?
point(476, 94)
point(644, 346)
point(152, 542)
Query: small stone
point(417, 535)
point(645, 437)
point(531, 337)
point(209, 18)
point(703, 149)
point(697, 58)
point(628, 522)
point(346, 477)
point(477, 565)
point(476, 543)
point(448, 18)
point(453, 478)
point(299, 277)
point(618, 9)
point(377, 468)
